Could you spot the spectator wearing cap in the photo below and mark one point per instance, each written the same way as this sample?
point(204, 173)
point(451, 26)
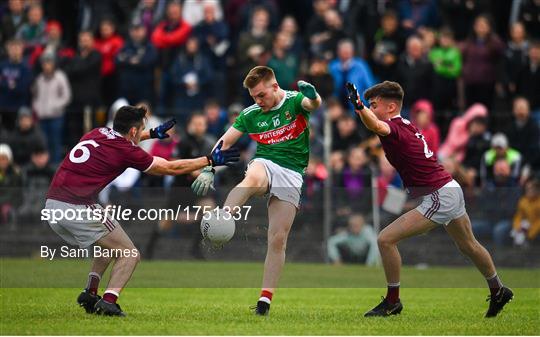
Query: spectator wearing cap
point(503, 159)
point(136, 62)
point(108, 43)
point(25, 137)
point(51, 95)
point(53, 46)
point(10, 185)
point(15, 81)
point(12, 21)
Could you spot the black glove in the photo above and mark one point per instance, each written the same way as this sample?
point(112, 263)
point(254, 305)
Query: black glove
point(353, 96)
point(220, 157)
point(160, 131)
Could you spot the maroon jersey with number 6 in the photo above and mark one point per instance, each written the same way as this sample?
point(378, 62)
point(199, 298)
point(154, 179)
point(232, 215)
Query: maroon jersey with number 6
point(100, 156)
point(407, 150)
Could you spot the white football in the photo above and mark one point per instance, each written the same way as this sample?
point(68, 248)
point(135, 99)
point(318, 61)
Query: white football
point(217, 226)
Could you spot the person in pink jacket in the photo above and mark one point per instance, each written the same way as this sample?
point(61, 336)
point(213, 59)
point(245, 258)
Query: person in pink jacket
point(422, 115)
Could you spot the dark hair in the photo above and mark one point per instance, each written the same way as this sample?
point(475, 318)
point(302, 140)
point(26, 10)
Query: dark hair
point(257, 75)
point(386, 89)
point(127, 117)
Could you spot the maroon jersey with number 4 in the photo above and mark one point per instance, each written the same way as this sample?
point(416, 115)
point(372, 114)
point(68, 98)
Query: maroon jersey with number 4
point(407, 150)
point(100, 156)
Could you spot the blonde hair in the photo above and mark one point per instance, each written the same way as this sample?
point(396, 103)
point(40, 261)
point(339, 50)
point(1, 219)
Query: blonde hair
point(257, 75)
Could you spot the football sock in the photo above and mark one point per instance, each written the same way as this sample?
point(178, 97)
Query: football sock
point(266, 296)
point(392, 293)
point(110, 296)
point(494, 284)
point(93, 282)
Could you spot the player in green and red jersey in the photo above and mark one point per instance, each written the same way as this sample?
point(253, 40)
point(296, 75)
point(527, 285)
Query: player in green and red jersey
point(279, 123)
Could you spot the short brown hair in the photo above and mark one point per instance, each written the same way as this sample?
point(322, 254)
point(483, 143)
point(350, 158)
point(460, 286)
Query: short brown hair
point(386, 89)
point(257, 75)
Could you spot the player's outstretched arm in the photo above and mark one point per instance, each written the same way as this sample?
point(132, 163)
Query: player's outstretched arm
point(218, 157)
point(229, 138)
point(159, 132)
point(366, 115)
point(312, 99)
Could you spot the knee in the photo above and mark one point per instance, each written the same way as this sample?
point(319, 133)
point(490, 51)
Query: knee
point(384, 240)
point(255, 181)
point(277, 242)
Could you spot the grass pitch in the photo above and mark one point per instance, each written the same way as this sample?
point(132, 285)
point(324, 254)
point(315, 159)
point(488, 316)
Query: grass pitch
point(213, 298)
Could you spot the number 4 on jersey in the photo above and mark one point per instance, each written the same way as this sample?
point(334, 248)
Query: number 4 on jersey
point(427, 152)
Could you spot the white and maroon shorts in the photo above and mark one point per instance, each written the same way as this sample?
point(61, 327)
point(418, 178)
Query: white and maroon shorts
point(81, 230)
point(443, 205)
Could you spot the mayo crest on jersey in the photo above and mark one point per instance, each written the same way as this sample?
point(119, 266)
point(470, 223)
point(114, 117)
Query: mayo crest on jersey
point(406, 149)
point(100, 156)
point(282, 134)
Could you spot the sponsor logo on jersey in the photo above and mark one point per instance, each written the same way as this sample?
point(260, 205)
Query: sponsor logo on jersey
point(109, 133)
point(282, 134)
point(262, 124)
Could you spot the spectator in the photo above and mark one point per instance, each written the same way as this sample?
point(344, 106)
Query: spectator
point(108, 44)
point(284, 63)
point(254, 46)
point(422, 115)
point(477, 144)
point(389, 44)
point(481, 54)
point(289, 26)
point(417, 14)
point(10, 186)
point(53, 46)
point(515, 56)
point(500, 159)
point(214, 42)
point(12, 21)
point(36, 178)
point(84, 76)
point(15, 81)
point(136, 62)
point(319, 76)
point(528, 12)
point(33, 31)
point(347, 134)
point(194, 11)
point(455, 143)
point(523, 133)
point(148, 13)
point(216, 118)
point(526, 224)
point(459, 15)
point(358, 244)
point(447, 64)
point(52, 94)
point(330, 38)
point(348, 68)
point(356, 177)
point(528, 80)
point(25, 137)
point(170, 36)
point(191, 75)
point(316, 26)
point(414, 73)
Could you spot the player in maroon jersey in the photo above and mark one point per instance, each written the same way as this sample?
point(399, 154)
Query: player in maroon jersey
point(442, 197)
point(99, 157)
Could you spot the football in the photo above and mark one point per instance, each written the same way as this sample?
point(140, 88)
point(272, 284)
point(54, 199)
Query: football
point(218, 226)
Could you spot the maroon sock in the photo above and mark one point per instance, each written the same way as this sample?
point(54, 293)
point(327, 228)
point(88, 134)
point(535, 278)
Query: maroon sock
point(392, 293)
point(494, 284)
point(267, 294)
point(110, 297)
point(93, 283)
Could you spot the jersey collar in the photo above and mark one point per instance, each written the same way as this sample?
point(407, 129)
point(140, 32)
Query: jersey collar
point(280, 104)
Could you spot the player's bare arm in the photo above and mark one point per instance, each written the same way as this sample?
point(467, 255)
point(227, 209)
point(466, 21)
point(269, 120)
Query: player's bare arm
point(368, 117)
point(229, 138)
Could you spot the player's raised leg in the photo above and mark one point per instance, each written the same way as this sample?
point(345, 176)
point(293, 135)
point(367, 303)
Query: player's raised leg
point(409, 224)
point(121, 272)
point(280, 219)
point(460, 231)
point(89, 297)
point(255, 183)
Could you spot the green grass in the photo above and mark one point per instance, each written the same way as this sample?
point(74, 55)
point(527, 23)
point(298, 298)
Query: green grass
point(214, 298)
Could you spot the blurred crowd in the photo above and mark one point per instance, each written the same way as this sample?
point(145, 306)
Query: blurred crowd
point(470, 70)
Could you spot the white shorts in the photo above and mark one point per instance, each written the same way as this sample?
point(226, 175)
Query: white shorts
point(285, 184)
point(443, 205)
point(82, 230)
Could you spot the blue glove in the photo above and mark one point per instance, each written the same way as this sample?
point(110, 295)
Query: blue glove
point(220, 157)
point(307, 89)
point(204, 182)
point(160, 132)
